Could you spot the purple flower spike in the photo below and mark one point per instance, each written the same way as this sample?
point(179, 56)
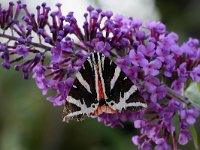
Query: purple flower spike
point(52, 48)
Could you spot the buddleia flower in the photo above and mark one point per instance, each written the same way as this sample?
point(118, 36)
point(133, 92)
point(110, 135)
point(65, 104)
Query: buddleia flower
point(51, 47)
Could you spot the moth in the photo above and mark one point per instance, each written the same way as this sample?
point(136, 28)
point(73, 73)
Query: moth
point(100, 87)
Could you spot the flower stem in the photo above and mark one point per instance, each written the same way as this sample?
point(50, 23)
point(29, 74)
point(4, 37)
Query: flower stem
point(32, 43)
point(179, 97)
point(174, 140)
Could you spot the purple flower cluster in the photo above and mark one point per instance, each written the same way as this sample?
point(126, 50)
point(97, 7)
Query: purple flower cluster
point(149, 55)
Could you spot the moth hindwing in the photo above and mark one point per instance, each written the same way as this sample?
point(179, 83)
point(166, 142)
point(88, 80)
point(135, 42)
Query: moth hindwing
point(101, 87)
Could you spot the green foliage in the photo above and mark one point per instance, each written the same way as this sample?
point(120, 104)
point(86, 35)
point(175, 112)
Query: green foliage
point(195, 137)
point(192, 93)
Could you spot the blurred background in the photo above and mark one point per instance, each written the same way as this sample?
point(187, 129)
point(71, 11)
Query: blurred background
point(29, 122)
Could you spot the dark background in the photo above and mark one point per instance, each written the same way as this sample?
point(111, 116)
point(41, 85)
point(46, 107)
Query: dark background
point(29, 122)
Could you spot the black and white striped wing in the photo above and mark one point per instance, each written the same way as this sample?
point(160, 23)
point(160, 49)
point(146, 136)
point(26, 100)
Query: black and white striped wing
point(123, 94)
point(101, 87)
point(82, 98)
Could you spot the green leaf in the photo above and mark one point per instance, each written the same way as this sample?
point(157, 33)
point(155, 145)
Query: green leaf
point(192, 92)
point(195, 137)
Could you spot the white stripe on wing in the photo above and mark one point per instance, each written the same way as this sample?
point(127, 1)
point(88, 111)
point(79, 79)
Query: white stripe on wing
point(83, 82)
